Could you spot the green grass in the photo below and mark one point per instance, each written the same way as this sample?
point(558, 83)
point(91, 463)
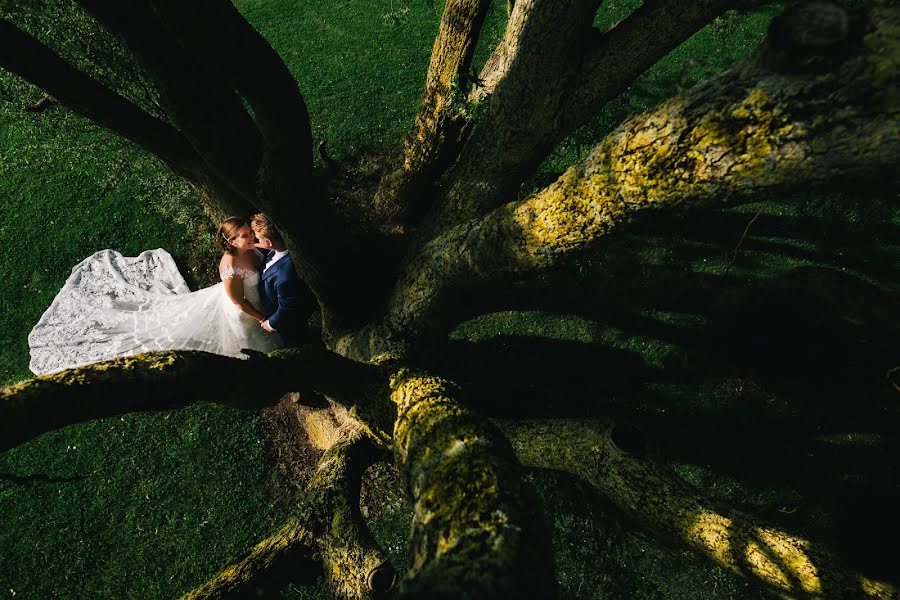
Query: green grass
point(758, 372)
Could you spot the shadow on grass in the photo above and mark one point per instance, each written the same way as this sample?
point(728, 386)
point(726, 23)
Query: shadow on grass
point(772, 377)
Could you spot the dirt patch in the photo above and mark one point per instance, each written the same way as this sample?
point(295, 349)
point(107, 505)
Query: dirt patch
point(290, 450)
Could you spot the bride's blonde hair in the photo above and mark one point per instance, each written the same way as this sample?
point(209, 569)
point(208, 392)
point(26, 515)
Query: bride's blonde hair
point(227, 230)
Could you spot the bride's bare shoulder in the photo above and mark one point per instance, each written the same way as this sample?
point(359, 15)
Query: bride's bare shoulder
point(227, 260)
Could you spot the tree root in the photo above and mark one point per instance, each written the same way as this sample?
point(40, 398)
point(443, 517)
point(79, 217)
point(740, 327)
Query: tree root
point(609, 458)
point(329, 536)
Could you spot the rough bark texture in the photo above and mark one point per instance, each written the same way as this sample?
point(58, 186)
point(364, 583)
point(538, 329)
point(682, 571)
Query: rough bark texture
point(758, 129)
point(549, 75)
point(542, 37)
point(477, 530)
point(666, 505)
point(168, 380)
point(434, 136)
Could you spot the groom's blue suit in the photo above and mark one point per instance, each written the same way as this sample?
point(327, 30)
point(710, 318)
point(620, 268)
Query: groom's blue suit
point(284, 299)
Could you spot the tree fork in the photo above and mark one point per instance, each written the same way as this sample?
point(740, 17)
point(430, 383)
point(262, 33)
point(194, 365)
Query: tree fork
point(611, 459)
point(328, 536)
point(429, 145)
point(749, 133)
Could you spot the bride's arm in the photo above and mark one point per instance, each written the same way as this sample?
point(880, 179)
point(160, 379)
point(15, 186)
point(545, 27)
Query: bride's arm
point(234, 287)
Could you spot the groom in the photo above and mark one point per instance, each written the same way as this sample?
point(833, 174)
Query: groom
point(284, 297)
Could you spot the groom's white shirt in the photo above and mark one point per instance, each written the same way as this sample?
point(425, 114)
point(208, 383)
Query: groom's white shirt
point(275, 258)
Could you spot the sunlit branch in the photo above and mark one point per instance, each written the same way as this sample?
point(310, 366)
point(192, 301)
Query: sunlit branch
point(750, 133)
point(477, 528)
point(434, 138)
point(612, 459)
point(328, 536)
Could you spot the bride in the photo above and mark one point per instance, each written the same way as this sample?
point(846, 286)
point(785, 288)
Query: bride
point(113, 305)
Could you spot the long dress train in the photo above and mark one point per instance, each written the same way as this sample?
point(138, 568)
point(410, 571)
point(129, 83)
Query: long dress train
point(114, 305)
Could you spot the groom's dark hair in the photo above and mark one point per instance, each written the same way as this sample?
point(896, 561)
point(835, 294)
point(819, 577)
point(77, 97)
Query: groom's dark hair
point(261, 225)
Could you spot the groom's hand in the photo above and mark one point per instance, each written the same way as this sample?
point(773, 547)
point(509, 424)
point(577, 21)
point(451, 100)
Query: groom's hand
point(265, 325)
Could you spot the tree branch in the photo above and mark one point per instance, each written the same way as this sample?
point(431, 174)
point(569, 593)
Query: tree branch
point(27, 57)
point(477, 529)
point(219, 37)
point(535, 104)
point(208, 112)
point(622, 54)
point(751, 132)
point(329, 535)
point(434, 138)
point(171, 380)
point(610, 459)
point(533, 72)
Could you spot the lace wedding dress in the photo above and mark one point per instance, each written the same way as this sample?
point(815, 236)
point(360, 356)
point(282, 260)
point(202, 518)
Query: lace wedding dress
point(114, 305)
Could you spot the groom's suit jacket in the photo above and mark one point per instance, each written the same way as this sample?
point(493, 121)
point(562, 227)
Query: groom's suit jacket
point(285, 300)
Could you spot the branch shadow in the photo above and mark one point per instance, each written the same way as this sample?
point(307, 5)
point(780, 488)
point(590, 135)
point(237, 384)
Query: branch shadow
point(777, 381)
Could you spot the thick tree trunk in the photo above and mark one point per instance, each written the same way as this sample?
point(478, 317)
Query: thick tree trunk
point(477, 529)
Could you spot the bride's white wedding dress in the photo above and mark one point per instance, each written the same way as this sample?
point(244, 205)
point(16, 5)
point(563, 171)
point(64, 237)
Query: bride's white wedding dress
point(114, 305)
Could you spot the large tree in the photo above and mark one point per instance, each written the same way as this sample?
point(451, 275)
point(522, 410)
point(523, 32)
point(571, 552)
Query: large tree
point(816, 102)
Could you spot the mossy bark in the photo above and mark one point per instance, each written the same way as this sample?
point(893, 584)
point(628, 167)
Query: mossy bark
point(667, 506)
point(550, 73)
point(541, 41)
point(435, 135)
point(171, 380)
point(477, 528)
point(754, 131)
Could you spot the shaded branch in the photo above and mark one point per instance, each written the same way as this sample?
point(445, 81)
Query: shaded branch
point(531, 76)
point(171, 380)
point(610, 459)
point(27, 57)
point(216, 34)
point(205, 110)
point(477, 529)
point(749, 133)
point(620, 55)
point(328, 536)
point(434, 138)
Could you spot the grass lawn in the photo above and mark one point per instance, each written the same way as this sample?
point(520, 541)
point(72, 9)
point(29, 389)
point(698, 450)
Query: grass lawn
point(751, 342)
